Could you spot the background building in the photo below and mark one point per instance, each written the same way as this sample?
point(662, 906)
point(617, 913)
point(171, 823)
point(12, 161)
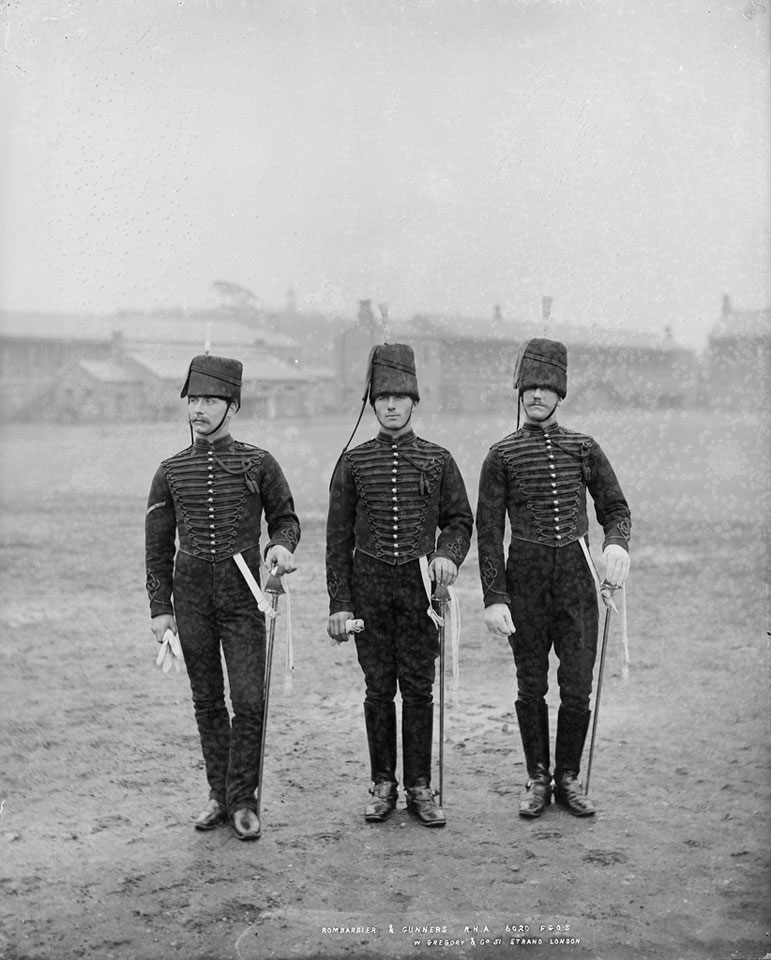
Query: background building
point(739, 358)
point(86, 367)
point(465, 364)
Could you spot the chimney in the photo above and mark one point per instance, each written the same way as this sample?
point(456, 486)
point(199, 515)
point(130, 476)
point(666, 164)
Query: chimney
point(726, 305)
point(291, 301)
point(366, 316)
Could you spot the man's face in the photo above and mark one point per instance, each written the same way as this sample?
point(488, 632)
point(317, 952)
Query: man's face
point(393, 411)
point(539, 403)
point(206, 413)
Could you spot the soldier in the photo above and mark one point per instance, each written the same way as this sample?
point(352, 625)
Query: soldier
point(213, 495)
point(544, 594)
point(388, 497)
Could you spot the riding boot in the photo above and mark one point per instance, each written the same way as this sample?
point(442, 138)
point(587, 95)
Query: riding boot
point(380, 721)
point(533, 716)
point(417, 736)
point(572, 727)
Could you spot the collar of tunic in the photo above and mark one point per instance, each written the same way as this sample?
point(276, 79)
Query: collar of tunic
point(388, 438)
point(202, 445)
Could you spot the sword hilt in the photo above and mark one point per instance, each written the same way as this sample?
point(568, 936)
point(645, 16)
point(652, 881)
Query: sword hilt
point(441, 593)
point(274, 585)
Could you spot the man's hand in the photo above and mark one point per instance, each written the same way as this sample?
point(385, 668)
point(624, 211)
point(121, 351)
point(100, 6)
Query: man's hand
point(443, 571)
point(336, 625)
point(498, 620)
point(160, 624)
point(279, 560)
point(616, 564)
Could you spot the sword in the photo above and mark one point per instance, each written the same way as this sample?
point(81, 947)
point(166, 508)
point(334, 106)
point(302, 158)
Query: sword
point(442, 598)
point(273, 588)
point(607, 596)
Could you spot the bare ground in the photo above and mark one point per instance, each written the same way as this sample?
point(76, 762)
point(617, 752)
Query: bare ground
point(101, 775)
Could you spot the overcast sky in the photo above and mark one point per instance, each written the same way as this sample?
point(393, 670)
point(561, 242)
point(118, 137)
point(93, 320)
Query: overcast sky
point(443, 155)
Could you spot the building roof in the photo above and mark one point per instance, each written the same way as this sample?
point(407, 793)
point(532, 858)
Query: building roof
point(318, 373)
point(133, 328)
point(742, 325)
point(458, 327)
point(52, 326)
point(516, 331)
point(108, 371)
point(272, 339)
point(172, 362)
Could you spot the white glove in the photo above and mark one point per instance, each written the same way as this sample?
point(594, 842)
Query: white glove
point(170, 652)
point(498, 620)
point(616, 561)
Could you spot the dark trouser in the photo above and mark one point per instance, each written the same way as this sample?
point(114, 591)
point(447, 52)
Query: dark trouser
point(554, 604)
point(216, 610)
point(397, 648)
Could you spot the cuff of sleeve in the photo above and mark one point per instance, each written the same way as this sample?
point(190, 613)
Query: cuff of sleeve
point(494, 597)
point(158, 607)
point(337, 606)
point(278, 542)
point(618, 541)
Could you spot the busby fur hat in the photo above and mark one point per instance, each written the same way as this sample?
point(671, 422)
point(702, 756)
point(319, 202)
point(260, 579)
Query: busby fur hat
point(392, 371)
point(542, 363)
point(210, 376)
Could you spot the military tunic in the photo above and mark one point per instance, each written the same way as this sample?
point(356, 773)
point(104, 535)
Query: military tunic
point(537, 478)
point(388, 498)
point(212, 497)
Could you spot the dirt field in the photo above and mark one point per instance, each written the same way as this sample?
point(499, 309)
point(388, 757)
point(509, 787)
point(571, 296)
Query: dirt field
point(100, 759)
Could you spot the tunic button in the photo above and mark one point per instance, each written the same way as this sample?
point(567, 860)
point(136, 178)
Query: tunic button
point(559, 536)
point(396, 509)
point(396, 553)
point(393, 489)
point(211, 500)
point(396, 537)
point(213, 551)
